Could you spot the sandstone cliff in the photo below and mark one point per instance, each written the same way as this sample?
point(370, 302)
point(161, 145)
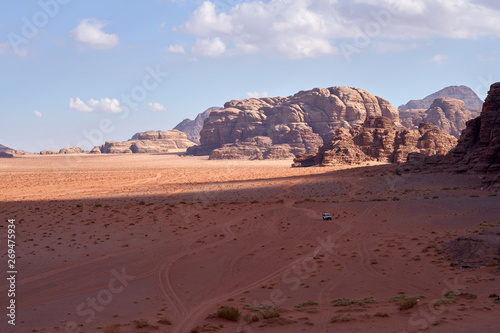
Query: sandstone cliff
point(73, 150)
point(478, 149)
point(447, 114)
point(298, 123)
point(379, 139)
point(470, 98)
point(151, 142)
point(192, 128)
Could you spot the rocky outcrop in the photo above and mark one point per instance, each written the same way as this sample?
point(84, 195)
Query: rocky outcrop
point(478, 149)
point(476, 250)
point(95, 150)
point(150, 142)
point(303, 121)
point(48, 152)
point(447, 114)
point(6, 152)
point(379, 139)
point(192, 128)
point(466, 94)
point(73, 150)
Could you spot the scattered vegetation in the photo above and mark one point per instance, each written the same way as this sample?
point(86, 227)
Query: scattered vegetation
point(229, 313)
point(381, 314)
point(164, 321)
point(406, 302)
point(308, 303)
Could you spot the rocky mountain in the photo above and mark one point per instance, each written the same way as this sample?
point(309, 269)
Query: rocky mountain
point(478, 149)
point(447, 114)
point(379, 139)
point(6, 151)
point(150, 142)
point(297, 124)
point(192, 128)
point(466, 94)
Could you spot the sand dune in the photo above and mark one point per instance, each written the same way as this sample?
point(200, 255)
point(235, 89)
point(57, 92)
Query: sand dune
point(158, 243)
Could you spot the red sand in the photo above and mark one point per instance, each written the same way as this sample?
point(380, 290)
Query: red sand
point(117, 243)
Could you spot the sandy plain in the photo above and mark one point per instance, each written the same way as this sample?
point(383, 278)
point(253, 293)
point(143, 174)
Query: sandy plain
point(158, 243)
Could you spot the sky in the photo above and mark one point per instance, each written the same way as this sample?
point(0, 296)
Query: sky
point(78, 73)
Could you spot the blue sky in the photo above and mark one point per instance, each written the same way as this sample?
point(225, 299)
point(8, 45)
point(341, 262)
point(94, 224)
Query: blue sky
point(78, 73)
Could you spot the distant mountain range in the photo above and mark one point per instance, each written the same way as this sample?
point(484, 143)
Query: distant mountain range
point(466, 94)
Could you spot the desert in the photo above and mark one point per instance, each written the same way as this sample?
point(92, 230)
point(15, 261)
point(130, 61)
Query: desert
point(162, 243)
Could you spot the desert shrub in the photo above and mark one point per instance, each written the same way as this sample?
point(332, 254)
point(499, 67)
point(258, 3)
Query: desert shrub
point(141, 323)
point(229, 313)
point(381, 314)
point(307, 303)
point(408, 304)
point(165, 321)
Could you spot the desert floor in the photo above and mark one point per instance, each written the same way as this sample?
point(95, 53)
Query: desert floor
point(158, 243)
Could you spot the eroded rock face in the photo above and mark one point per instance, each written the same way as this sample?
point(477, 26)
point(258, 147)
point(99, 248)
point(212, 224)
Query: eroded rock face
point(447, 114)
point(379, 139)
point(192, 128)
point(478, 149)
point(470, 98)
point(73, 150)
point(256, 148)
point(303, 121)
point(150, 142)
point(48, 152)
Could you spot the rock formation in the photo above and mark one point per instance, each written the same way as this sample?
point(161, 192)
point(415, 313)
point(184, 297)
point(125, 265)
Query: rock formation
point(302, 122)
point(6, 151)
point(255, 148)
point(447, 114)
point(478, 149)
point(48, 152)
point(192, 128)
point(150, 142)
point(73, 150)
point(472, 101)
point(379, 139)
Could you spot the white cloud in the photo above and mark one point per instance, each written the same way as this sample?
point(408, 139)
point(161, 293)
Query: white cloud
point(37, 114)
point(209, 47)
point(439, 59)
point(309, 28)
point(176, 49)
point(161, 26)
point(256, 94)
point(89, 34)
point(105, 105)
point(156, 107)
